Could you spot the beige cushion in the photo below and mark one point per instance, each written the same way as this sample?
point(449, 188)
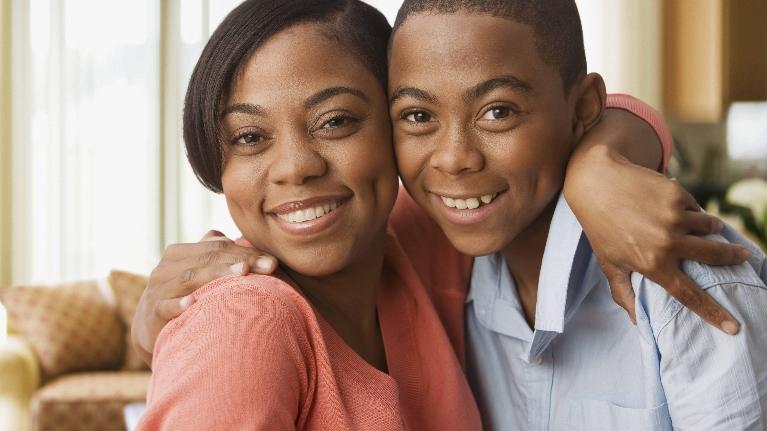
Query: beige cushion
point(88, 401)
point(128, 288)
point(70, 326)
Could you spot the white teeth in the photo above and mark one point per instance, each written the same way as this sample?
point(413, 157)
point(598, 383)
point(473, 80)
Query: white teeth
point(469, 203)
point(300, 216)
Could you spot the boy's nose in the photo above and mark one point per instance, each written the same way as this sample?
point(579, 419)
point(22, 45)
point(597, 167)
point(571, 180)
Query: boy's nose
point(456, 154)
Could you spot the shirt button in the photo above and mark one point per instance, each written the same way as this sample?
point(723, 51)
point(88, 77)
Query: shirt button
point(538, 360)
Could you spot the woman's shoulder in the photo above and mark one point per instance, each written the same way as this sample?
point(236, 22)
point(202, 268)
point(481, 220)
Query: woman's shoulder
point(247, 303)
point(251, 286)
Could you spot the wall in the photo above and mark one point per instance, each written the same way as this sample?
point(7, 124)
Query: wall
point(5, 143)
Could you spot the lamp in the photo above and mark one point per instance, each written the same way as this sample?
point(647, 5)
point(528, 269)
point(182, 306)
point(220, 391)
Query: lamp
point(747, 131)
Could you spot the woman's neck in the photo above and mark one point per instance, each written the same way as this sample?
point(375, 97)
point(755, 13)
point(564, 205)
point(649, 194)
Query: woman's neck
point(347, 301)
point(524, 256)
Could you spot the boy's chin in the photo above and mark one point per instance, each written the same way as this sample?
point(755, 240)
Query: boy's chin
point(476, 244)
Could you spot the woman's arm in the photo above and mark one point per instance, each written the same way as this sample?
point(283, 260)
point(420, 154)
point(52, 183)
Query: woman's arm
point(636, 219)
point(236, 359)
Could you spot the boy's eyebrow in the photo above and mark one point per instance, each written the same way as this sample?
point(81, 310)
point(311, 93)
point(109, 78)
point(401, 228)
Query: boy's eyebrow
point(413, 92)
point(508, 81)
point(327, 93)
point(244, 108)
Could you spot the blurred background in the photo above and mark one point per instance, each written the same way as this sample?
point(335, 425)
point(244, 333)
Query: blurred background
point(93, 175)
point(93, 170)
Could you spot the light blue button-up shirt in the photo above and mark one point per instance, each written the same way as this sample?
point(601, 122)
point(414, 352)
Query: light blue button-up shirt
point(586, 367)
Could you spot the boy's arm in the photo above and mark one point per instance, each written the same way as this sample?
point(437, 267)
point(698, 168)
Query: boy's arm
point(636, 219)
point(714, 381)
point(232, 361)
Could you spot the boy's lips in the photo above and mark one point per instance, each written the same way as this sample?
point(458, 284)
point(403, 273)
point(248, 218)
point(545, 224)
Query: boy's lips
point(465, 209)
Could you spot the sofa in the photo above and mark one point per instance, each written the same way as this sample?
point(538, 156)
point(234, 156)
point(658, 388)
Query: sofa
point(67, 363)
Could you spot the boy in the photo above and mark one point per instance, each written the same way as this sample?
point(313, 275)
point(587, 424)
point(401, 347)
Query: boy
point(488, 100)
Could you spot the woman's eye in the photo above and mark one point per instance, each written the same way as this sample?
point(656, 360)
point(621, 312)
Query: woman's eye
point(248, 139)
point(335, 122)
point(418, 117)
point(497, 113)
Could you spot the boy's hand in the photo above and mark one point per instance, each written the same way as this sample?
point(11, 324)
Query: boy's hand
point(183, 269)
point(639, 221)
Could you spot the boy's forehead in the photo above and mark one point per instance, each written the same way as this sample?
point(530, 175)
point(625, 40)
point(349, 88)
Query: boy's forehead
point(464, 46)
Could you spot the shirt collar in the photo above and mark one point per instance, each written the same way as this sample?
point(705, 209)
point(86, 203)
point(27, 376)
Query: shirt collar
point(562, 285)
point(565, 260)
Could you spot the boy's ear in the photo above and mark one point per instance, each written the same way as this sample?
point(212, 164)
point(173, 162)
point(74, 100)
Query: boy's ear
point(590, 103)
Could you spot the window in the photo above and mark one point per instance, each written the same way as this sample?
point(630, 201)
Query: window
point(86, 131)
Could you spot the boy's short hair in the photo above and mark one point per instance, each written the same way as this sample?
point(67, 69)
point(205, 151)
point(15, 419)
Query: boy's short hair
point(556, 25)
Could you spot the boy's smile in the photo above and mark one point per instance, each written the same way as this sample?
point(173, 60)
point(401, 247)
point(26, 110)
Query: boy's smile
point(483, 126)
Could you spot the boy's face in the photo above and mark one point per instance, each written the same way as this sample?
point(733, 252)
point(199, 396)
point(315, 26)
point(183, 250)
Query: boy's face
point(482, 126)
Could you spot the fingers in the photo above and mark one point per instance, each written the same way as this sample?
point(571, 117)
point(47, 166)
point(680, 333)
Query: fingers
point(712, 252)
point(699, 302)
point(213, 235)
point(622, 292)
point(685, 198)
point(700, 223)
point(168, 309)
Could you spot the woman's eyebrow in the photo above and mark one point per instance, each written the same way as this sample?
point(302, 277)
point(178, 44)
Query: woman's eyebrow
point(327, 93)
point(503, 81)
point(413, 92)
point(244, 108)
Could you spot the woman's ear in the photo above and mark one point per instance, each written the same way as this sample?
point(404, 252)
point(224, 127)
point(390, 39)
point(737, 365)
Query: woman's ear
point(590, 103)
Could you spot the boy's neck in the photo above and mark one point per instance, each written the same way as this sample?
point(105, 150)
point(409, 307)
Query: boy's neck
point(524, 256)
point(347, 301)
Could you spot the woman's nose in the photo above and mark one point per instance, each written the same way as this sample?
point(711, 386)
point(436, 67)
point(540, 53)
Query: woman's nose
point(296, 161)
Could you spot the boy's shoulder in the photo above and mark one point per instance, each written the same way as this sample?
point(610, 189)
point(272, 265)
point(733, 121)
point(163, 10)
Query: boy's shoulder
point(733, 286)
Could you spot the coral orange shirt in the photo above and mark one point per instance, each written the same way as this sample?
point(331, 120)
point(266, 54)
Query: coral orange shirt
point(251, 353)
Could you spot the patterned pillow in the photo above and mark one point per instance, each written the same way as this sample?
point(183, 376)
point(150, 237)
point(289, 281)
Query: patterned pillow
point(128, 288)
point(70, 326)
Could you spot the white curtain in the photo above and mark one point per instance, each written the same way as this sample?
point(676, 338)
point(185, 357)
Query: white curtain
point(86, 128)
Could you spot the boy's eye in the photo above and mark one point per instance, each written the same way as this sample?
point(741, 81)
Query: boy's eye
point(418, 117)
point(496, 113)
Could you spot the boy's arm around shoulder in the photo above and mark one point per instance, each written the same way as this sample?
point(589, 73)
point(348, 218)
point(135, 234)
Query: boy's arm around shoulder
point(237, 359)
point(711, 380)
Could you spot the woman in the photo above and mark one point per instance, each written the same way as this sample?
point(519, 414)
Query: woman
point(286, 113)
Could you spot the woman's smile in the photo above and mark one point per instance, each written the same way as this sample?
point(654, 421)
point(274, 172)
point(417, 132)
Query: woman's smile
point(310, 216)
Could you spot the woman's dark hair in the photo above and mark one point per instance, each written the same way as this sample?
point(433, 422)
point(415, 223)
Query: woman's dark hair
point(359, 27)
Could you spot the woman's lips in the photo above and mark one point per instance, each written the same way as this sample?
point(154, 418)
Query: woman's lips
point(310, 216)
point(465, 209)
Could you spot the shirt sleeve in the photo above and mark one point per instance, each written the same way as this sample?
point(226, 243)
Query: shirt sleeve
point(714, 381)
point(649, 115)
point(237, 359)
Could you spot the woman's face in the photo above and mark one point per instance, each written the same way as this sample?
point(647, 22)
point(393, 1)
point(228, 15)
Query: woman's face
point(309, 173)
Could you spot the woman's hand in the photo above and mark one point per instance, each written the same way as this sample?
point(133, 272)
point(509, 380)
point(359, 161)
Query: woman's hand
point(637, 220)
point(183, 269)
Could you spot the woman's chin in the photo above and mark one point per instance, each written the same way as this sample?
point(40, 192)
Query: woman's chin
point(315, 264)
